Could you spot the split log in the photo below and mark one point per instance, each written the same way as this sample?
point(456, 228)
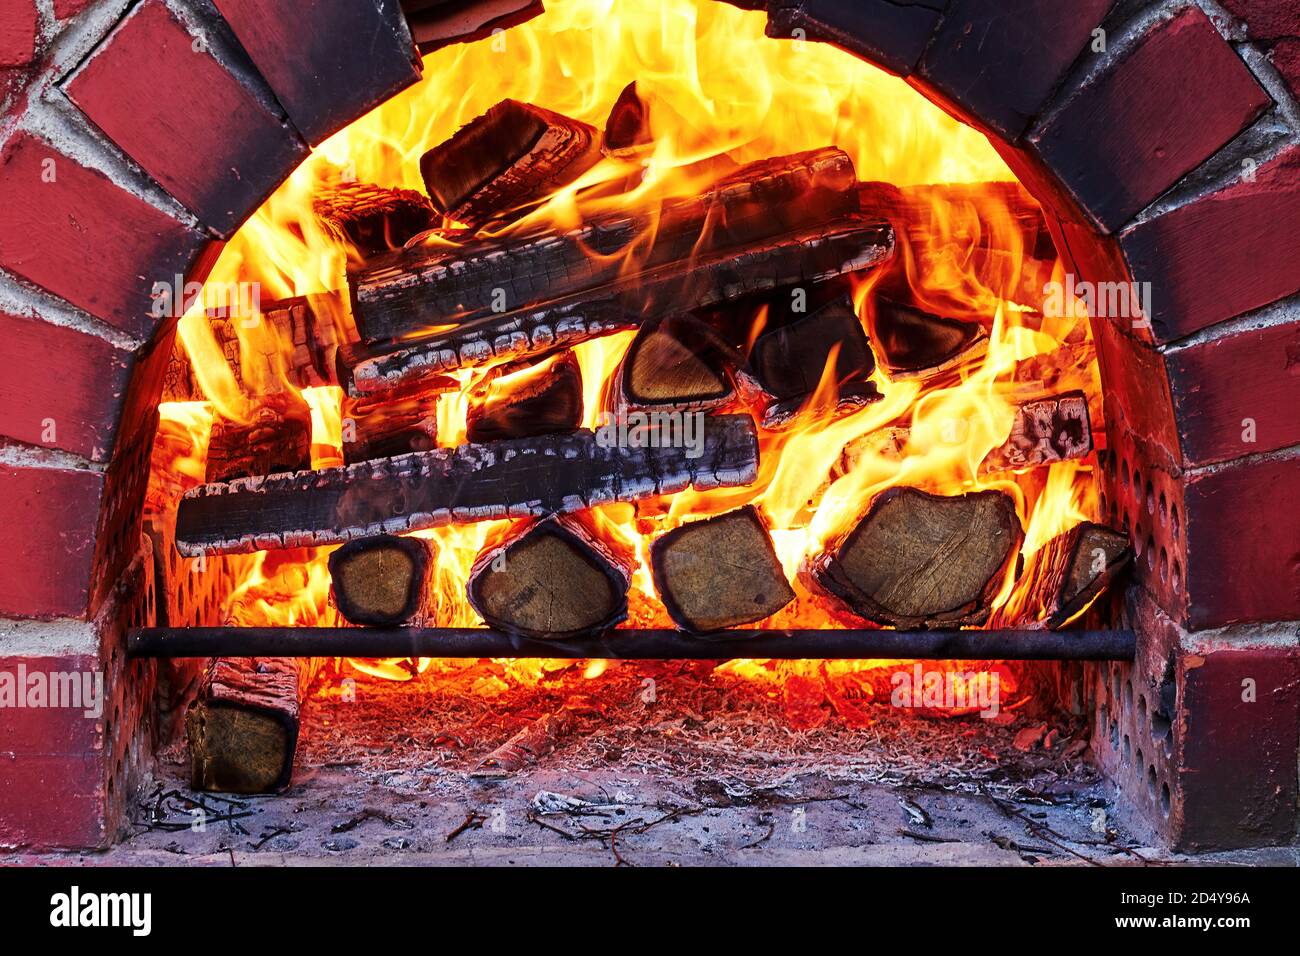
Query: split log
point(243, 725)
point(389, 424)
point(552, 474)
point(406, 292)
point(514, 155)
point(628, 126)
point(921, 561)
point(381, 580)
point(1044, 431)
point(913, 343)
point(1064, 576)
point(277, 438)
point(373, 218)
point(676, 362)
point(719, 572)
point(438, 23)
point(553, 579)
point(540, 399)
point(829, 250)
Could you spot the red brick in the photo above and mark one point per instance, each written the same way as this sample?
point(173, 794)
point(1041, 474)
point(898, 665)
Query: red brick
point(1224, 254)
point(17, 32)
point(890, 33)
point(65, 377)
point(54, 801)
point(47, 730)
point(1218, 385)
point(1267, 19)
point(186, 120)
point(1243, 543)
point(47, 535)
point(69, 8)
point(86, 239)
point(1237, 759)
point(1286, 57)
point(330, 64)
point(1151, 117)
point(1002, 62)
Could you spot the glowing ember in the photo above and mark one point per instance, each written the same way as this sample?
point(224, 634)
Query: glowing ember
point(717, 88)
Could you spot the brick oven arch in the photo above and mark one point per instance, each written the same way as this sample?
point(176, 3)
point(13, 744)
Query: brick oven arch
point(136, 135)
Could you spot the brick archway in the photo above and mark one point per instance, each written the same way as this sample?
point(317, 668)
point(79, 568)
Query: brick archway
point(1164, 153)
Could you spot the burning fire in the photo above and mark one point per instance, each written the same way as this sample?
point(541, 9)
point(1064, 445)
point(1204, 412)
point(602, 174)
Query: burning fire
point(718, 89)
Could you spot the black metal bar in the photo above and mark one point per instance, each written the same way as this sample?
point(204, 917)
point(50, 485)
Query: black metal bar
point(633, 644)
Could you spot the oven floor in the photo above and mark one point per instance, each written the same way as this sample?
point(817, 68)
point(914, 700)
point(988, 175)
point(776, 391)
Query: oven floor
point(709, 769)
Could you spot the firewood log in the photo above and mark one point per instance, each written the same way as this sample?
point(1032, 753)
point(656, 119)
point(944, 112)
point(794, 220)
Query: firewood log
point(919, 561)
point(513, 155)
point(628, 126)
point(540, 399)
point(389, 424)
point(1044, 431)
point(381, 580)
point(373, 218)
point(407, 292)
point(243, 724)
point(549, 474)
point(556, 578)
point(438, 23)
point(277, 438)
point(676, 362)
point(719, 572)
point(1063, 577)
point(913, 343)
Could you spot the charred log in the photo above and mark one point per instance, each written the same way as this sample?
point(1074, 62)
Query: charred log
point(920, 561)
point(628, 126)
point(552, 474)
point(675, 362)
point(1065, 575)
point(381, 580)
point(1045, 431)
point(552, 579)
point(373, 218)
point(277, 438)
point(829, 250)
point(389, 424)
point(543, 399)
point(914, 343)
point(719, 572)
point(435, 24)
point(790, 359)
point(513, 155)
point(406, 292)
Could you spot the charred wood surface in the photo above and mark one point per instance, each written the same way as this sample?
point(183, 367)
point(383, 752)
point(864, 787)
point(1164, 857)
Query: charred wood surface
point(511, 156)
point(918, 560)
point(914, 343)
point(543, 399)
point(789, 360)
point(373, 218)
point(720, 572)
point(390, 424)
point(514, 478)
point(833, 249)
point(382, 580)
point(553, 579)
point(277, 438)
point(406, 292)
point(628, 125)
point(1065, 575)
point(1043, 432)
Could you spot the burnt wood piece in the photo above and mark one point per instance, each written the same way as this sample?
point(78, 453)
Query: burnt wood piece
point(814, 255)
point(276, 438)
point(406, 292)
point(552, 579)
point(513, 155)
point(389, 424)
point(914, 343)
point(1063, 577)
point(849, 399)
point(435, 24)
point(1044, 431)
point(373, 218)
point(628, 126)
point(298, 346)
point(243, 724)
point(551, 474)
point(920, 561)
point(541, 399)
point(790, 359)
point(675, 362)
point(381, 580)
point(719, 572)
point(526, 746)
